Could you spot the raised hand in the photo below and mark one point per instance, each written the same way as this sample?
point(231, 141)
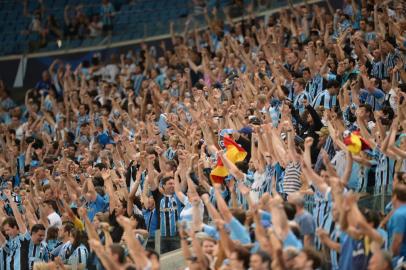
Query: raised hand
point(106, 174)
point(308, 142)
point(82, 212)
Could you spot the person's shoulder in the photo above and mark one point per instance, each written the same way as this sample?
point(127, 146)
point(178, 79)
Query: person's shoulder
point(307, 215)
point(400, 212)
point(24, 236)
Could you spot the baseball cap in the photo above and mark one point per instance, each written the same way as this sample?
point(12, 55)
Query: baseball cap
point(245, 130)
point(323, 132)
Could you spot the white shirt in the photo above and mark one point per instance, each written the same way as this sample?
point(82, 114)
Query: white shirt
point(392, 99)
point(256, 187)
point(110, 72)
point(54, 220)
point(339, 161)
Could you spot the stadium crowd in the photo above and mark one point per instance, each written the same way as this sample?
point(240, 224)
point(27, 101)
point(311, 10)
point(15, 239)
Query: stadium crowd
point(247, 145)
point(78, 23)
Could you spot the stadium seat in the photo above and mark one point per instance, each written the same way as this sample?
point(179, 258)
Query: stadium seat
point(133, 20)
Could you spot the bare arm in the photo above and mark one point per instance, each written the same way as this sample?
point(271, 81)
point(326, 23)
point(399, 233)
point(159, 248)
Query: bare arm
point(21, 224)
point(136, 251)
point(348, 169)
point(239, 175)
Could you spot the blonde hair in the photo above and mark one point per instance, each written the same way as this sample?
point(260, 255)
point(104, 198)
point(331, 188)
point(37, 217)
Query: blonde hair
point(102, 217)
point(41, 266)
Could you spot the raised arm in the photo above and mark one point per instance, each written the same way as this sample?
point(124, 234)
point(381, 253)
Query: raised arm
point(214, 214)
point(222, 206)
point(178, 189)
point(234, 171)
point(136, 251)
point(91, 231)
point(348, 169)
point(21, 224)
point(130, 202)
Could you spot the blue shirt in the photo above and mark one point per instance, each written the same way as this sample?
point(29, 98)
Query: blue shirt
point(292, 241)
point(151, 220)
point(354, 254)
point(79, 256)
point(238, 232)
point(307, 225)
point(16, 252)
point(324, 99)
point(211, 231)
point(397, 225)
point(169, 208)
point(314, 86)
point(298, 101)
point(359, 177)
point(43, 85)
point(99, 205)
point(37, 253)
point(62, 251)
point(375, 98)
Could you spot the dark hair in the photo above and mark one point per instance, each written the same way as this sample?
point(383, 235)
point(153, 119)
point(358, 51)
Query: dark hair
point(86, 107)
point(79, 238)
point(314, 256)
point(11, 222)
point(100, 166)
point(37, 227)
point(243, 255)
point(333, 83)
point(352, 61)
point(98, 180)
point(119, 250)
point(301, 81)
point(68, 227)
point(38, 143)
point(201, 190)
point(52, 233)
point(371, 217)
point(172, 164)
point(378, 82)
point(52, 203)
point(166, 179)
point(290, 210)
point(388, 111)
point(264, 256)
point(199, 86)
point(99, 190)
point(367, 108)
point(400, 192)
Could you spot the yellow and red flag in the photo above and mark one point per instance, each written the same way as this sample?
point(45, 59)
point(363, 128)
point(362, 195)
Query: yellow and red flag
point(355, 143)
point(234, 152)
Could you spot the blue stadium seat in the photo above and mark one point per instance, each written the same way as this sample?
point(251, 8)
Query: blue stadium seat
point(134, 20)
